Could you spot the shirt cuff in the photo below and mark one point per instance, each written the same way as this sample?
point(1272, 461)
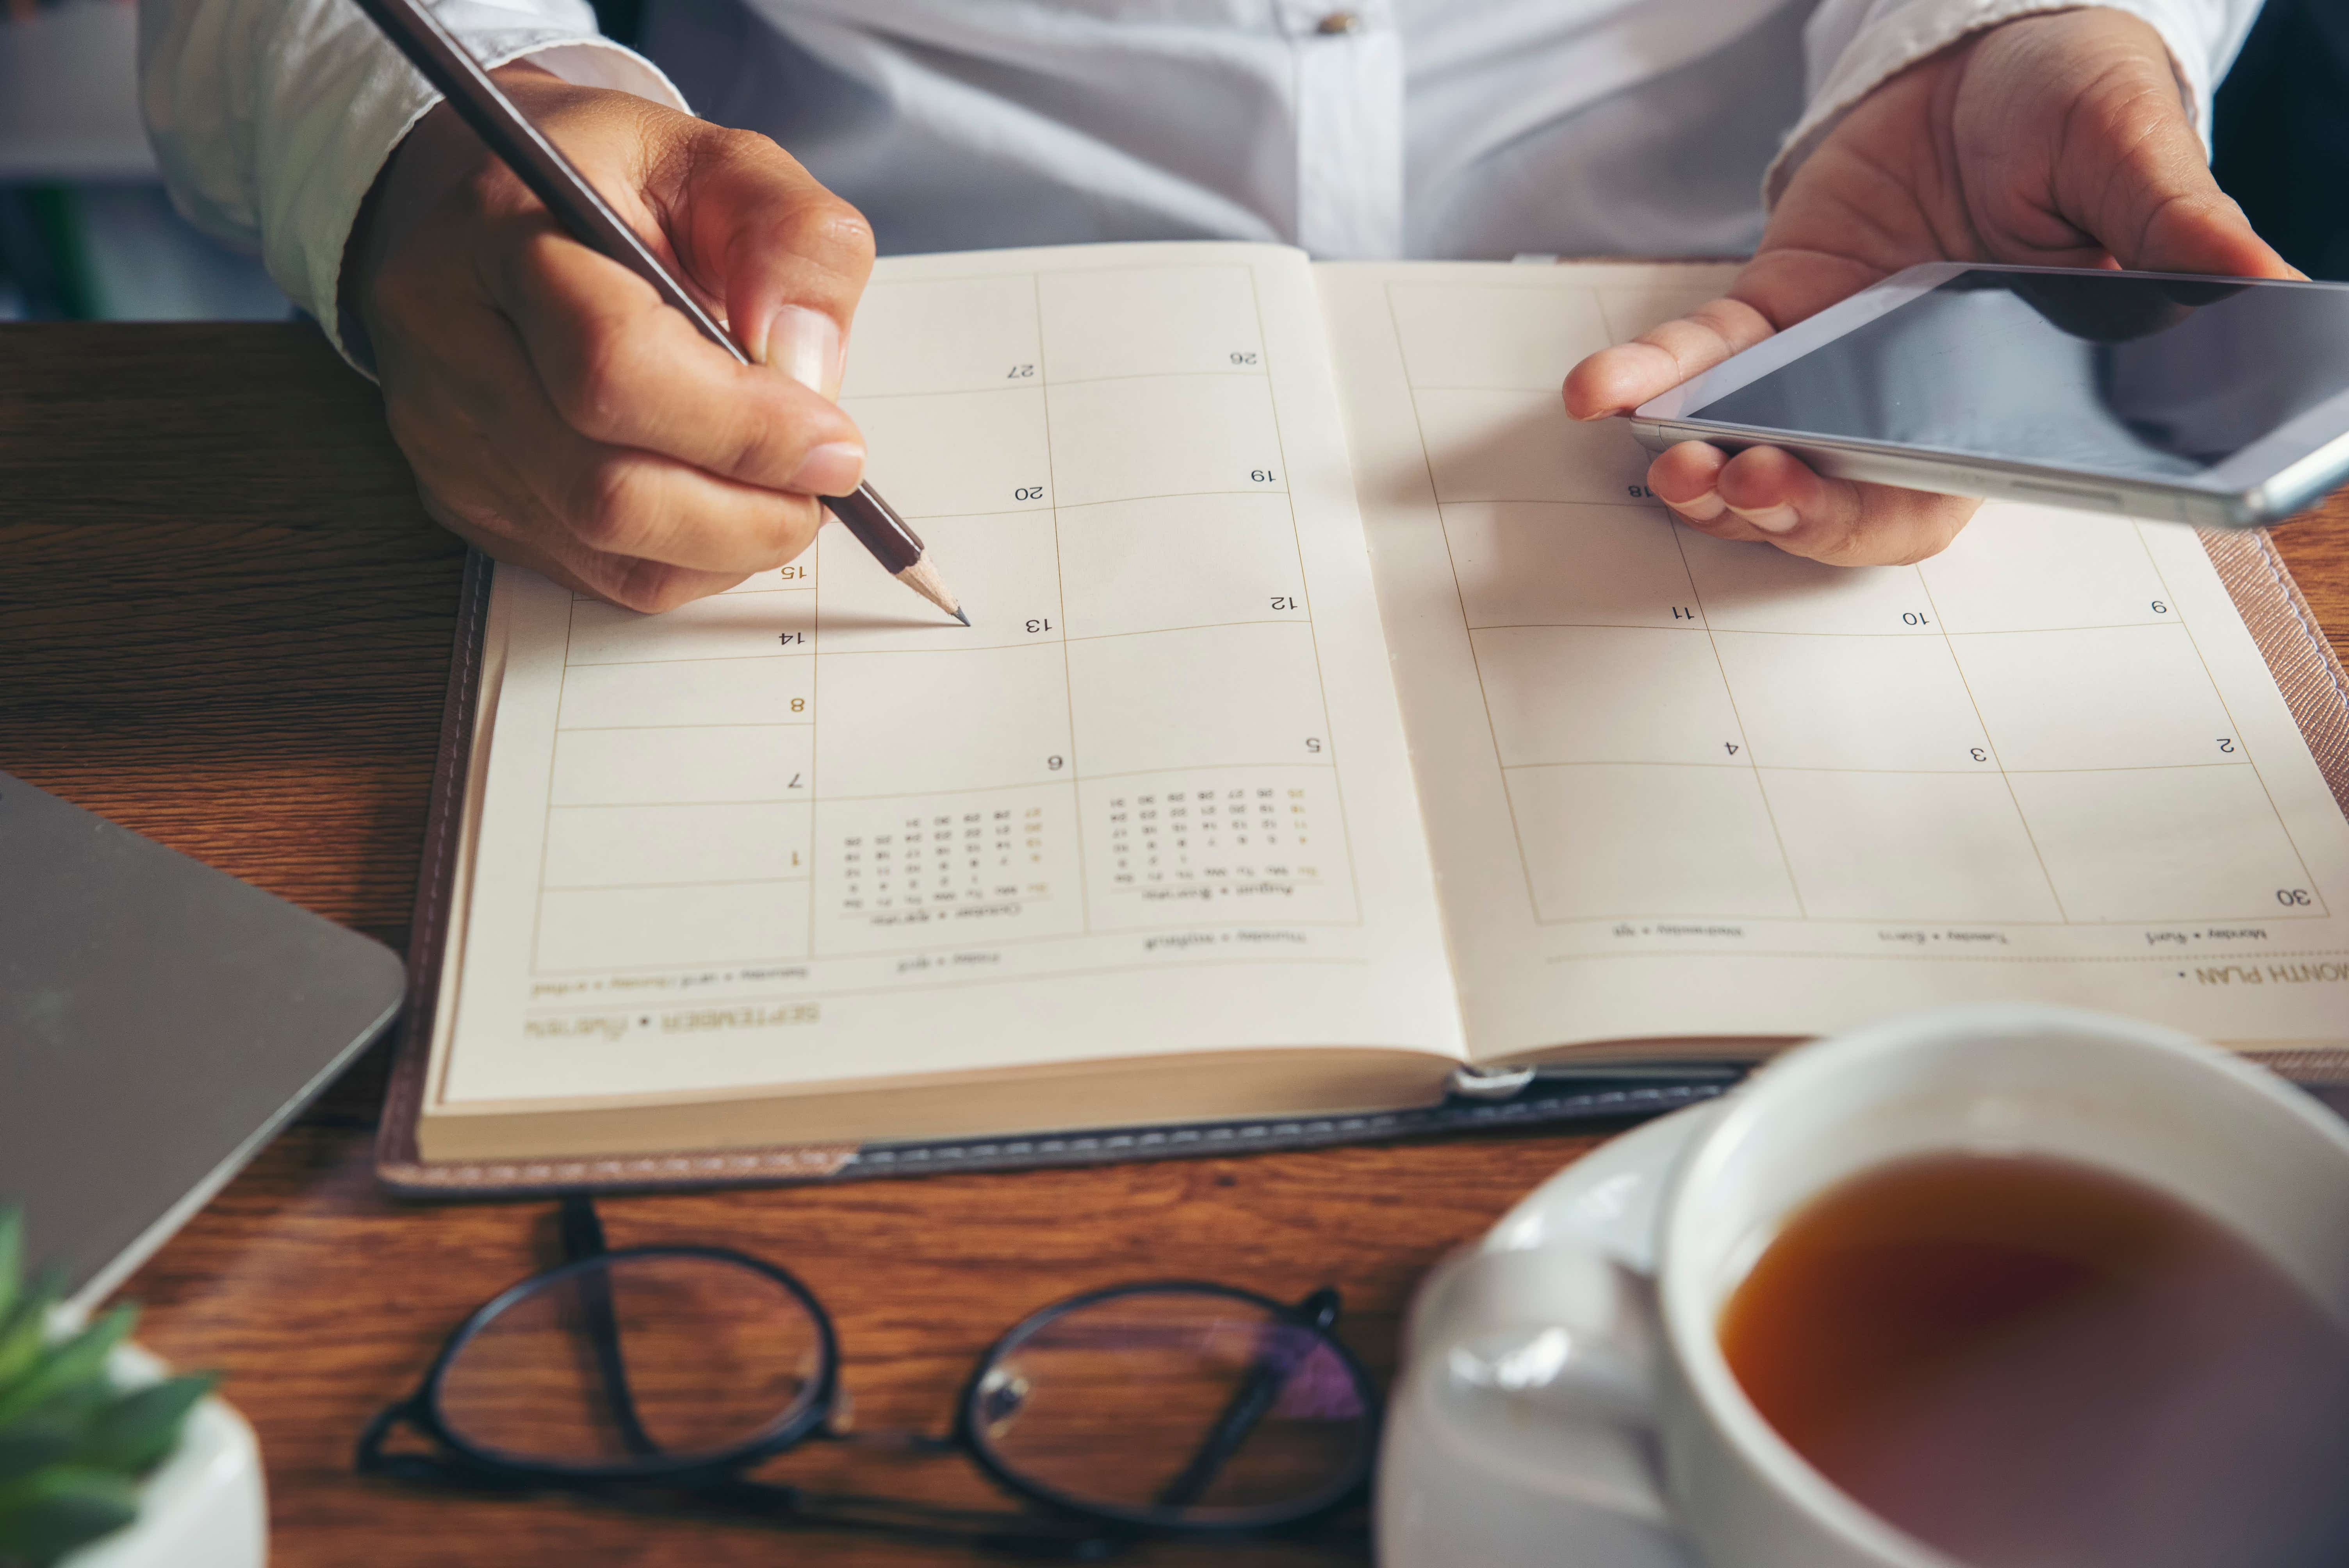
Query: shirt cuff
point(1884, 47)
point(351, 118)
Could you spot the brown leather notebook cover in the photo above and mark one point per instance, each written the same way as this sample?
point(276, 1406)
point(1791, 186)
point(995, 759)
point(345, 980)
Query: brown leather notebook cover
point(2306, 668)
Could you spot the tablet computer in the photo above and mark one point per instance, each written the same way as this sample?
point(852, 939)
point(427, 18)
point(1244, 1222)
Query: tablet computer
point(2216, 401)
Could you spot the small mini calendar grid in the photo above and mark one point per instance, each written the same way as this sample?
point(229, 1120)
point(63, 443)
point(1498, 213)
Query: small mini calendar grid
point(938, 860)
point(1207, 834)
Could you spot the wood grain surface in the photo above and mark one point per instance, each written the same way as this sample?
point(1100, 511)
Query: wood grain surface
point(224, 621)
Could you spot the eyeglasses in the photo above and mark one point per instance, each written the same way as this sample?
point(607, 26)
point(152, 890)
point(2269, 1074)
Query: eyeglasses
point(657, 1376)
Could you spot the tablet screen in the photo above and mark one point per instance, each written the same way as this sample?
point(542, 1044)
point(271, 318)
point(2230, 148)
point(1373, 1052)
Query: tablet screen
point(2142, 378)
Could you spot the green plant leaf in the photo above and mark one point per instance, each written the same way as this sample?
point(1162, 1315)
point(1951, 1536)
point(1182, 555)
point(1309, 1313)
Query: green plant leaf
point(135, 1432)
point(24, 1328)
point(79, 1360)
point(51, 1434)
point(75, 1406)
point(50, 1512)
point(37, 1442)
point(12, 1257)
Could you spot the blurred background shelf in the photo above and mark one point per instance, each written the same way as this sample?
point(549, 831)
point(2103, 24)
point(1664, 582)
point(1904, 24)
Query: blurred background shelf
point(68, 100)
point(86, 230)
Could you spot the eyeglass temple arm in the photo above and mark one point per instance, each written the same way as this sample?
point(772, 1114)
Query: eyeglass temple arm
point(1249, 1405)
point(582, 1237)
point(371, 1458)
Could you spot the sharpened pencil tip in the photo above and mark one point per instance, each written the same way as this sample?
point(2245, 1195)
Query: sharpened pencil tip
point(922, 578)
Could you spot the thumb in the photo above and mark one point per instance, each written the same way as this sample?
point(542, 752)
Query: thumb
point(2196, 229)
point(787, 257)
point(2155, 206)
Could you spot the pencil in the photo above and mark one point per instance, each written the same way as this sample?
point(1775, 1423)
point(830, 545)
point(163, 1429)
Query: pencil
point(552, 178)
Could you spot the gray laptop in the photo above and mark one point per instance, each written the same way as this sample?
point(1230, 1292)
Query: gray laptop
point(159, 1021)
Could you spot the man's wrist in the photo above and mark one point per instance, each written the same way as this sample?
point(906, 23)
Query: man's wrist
point(1908, 35)
point(345, 220)
point(439, 150)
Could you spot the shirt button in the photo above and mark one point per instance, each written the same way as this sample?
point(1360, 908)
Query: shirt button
point(1337, 23)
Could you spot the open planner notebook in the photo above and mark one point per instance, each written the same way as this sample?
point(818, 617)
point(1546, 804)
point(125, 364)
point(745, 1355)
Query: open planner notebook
point(1335, 715)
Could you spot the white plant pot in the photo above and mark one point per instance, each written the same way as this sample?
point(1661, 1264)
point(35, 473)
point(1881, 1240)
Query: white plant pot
point(204, 1507)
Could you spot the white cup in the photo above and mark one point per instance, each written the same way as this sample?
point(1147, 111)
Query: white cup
point(1563, 1406)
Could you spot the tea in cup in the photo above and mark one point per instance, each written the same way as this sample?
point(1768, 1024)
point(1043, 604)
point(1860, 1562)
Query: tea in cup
point(2005, 1287)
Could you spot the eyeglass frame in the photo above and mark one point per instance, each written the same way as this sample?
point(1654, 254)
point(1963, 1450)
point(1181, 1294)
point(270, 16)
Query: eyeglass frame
point(811, 1417)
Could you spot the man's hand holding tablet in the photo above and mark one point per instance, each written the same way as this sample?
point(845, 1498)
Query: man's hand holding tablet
point(2058, 141)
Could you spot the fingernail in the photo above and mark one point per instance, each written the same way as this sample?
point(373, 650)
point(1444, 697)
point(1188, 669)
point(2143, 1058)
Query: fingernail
point(1780, 518)
point(832, 468)
point(804, 345)
point(1703, 509)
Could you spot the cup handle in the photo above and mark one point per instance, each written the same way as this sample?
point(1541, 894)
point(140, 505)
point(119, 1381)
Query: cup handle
point(1544, 1366)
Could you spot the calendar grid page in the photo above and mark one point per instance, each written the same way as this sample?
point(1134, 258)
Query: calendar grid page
point(1680, 786)
point(1154, 798)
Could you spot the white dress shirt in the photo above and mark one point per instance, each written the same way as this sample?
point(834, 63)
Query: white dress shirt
point(1351, 128)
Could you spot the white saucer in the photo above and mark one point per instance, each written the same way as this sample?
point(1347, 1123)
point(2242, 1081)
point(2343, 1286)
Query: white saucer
point(1605, 1201)
point(1462, 1481)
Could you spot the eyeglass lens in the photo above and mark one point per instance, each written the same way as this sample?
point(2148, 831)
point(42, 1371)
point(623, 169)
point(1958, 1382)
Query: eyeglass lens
point(657, 1355)
point(1178, 1405)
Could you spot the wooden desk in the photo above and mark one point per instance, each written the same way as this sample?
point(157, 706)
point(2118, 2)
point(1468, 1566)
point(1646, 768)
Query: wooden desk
point(224, 621)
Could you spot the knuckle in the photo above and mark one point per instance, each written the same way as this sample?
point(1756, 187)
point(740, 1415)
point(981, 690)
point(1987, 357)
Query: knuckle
point(1853, 541)
point(796, 523)
point(459, 513)
point(516, 260)
point(596, 399)
point(1935, 542)
point(652, 587)
point(812, 220)
point(778, 530)
point(614, 509)
point(752, 447)
point(732, 142)
point(825, 227)
point(631, 582)
point(605, 576)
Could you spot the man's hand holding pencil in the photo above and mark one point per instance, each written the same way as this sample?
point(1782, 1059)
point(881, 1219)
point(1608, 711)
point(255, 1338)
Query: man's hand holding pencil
point(555, 411)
